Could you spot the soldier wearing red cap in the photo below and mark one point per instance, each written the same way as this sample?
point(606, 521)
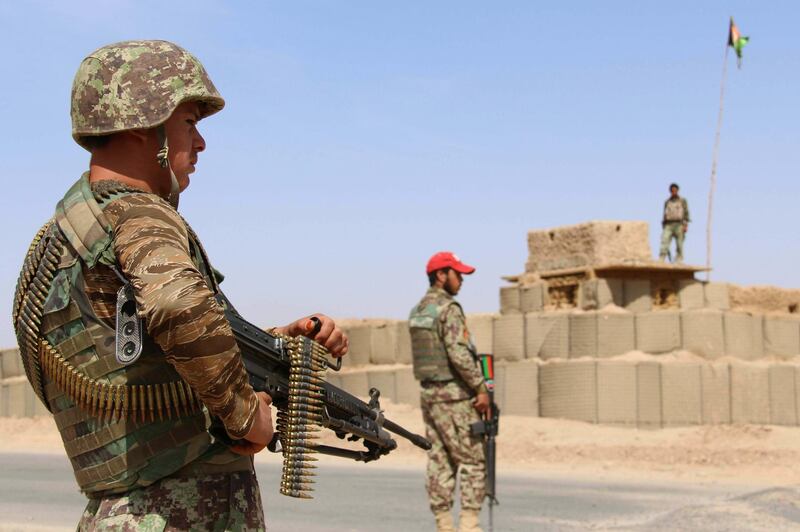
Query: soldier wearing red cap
point(453, 394)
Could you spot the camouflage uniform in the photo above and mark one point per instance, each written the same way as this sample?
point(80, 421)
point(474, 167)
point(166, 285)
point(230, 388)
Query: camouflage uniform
point(448, 412)
point(211, 502)
point(163, 470)
point(676, 216)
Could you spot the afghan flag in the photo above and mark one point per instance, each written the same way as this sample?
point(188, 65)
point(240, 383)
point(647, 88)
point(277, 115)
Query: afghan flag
point(737, 42)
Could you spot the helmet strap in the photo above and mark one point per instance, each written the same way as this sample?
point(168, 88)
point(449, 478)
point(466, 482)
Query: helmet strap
point(163, 162)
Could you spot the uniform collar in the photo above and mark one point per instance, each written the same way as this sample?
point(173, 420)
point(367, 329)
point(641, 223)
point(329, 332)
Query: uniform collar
point(441, 292)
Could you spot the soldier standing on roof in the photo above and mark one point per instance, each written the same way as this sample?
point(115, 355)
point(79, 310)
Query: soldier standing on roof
point(452, 397)
point(135, 428)
point(675, 223)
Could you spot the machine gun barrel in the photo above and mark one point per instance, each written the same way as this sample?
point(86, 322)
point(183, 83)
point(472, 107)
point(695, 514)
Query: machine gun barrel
point(416, 439)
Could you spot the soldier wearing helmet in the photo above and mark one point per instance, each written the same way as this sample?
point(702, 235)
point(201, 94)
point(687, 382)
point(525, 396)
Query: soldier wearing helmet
point(453, 394)
point(136, 431)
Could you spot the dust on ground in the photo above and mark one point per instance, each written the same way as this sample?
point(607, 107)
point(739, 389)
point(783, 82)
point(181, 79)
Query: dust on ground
point(766, 299)
point(740, 454)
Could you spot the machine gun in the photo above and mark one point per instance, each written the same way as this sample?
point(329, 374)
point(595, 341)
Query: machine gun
point(488, 428)
point(292, 371)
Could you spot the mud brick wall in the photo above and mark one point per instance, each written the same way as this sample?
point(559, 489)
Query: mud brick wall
point(598, 242)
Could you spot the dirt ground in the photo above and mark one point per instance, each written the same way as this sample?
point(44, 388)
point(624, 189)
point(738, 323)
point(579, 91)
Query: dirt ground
point(740, 454)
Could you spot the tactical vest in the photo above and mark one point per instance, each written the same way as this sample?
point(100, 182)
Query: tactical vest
point(427, 345)
point(674, 210)
point(123, 426)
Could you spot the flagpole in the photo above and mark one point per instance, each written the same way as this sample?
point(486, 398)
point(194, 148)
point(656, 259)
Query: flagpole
point(714, 162)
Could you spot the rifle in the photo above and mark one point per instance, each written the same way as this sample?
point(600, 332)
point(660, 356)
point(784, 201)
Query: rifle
point(488, 428)
point(292, 371)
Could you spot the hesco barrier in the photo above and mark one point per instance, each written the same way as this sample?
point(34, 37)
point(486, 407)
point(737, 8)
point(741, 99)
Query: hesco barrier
point(544, 335)
point(647, 391)
point(644, 393)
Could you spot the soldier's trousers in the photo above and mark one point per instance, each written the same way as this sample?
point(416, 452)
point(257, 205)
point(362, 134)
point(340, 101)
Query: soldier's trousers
point(453, 449)
point(218, 502)
point(672, 230)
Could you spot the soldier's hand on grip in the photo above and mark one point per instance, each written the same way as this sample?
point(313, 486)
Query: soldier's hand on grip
point(481, 402)
point(321, 329)
point(261, 431)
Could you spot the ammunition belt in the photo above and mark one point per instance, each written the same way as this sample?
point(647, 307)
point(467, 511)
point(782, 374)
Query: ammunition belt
point(303, 416)
point(116, 401)
point(34, 282)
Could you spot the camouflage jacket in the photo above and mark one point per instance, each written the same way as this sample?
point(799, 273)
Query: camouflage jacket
point(152, 246)
point(460, 351)
point(106, 227)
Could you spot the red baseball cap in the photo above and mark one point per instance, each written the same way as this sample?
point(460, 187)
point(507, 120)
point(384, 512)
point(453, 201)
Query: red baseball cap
point(446, 259)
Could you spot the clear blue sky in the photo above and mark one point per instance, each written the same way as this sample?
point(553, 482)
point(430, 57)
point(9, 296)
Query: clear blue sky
point(361, 137)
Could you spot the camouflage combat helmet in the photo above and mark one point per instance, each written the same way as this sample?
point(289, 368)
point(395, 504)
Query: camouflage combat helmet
point(136, 85)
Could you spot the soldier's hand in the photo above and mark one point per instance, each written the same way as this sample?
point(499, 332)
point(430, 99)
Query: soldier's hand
point(329, 334)
point(685, 227)
point(481, 402)
point(261, 431)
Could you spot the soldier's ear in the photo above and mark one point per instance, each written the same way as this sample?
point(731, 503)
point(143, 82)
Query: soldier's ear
point(140, 136)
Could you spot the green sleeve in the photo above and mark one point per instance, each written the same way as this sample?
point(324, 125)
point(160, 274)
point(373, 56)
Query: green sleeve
point(457, 343)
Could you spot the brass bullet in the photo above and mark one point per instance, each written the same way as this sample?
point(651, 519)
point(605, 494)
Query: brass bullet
point(142, 403)
point(150, 402)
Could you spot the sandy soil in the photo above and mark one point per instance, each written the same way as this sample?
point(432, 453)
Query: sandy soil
point(768, 299)
point(740, 454)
